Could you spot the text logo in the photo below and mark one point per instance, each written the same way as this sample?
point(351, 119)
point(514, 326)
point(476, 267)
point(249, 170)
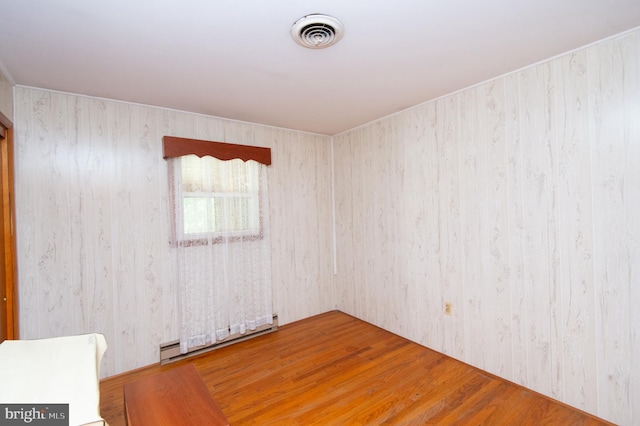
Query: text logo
point(34, 414)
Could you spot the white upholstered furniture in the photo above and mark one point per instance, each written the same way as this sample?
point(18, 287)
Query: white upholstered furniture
point(57, 370)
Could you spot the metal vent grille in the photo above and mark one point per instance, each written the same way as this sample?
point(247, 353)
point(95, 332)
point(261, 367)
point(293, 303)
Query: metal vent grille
point(317, 31)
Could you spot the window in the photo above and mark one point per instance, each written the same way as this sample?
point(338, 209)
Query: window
point(217, 190)
point(218, 197)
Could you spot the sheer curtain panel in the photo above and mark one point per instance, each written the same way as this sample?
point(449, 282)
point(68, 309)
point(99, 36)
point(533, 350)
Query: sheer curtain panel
point(220, 246)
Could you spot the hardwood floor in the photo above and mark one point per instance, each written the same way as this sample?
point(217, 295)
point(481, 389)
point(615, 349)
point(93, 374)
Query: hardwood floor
point(333, 369)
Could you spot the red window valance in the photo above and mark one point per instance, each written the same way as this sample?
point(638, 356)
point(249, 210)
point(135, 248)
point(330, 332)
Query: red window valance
point(176, 147)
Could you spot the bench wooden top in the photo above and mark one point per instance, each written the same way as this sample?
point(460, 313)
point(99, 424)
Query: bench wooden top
point(173, 398)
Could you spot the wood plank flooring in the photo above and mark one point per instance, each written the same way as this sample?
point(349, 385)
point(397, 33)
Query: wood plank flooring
point(333, 369)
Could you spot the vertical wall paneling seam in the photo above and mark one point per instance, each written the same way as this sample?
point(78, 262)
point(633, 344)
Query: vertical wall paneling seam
point(459, 351)
point(505, 96)
point(112, 251)
point(525, 312)
point(35, 249)
point(635, 378)
point(19, 132)
point(68, 285)
point(485, 238)
point(460, 308)
point(466, 116)
point(511, 212)
point(636, 414)
point(333, 216)
point(592, 142)
point(591, 134)
point(36, 239)
point(510, 372)
point(85, 322)
point(557, 381)
point(21, 146)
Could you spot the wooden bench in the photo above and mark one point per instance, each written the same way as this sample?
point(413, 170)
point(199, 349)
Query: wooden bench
point(173, 398)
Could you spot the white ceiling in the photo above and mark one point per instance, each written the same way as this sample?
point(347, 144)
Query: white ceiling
point(236, 59)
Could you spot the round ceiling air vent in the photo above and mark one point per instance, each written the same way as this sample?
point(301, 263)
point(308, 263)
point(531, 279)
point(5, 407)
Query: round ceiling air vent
point(317, 31)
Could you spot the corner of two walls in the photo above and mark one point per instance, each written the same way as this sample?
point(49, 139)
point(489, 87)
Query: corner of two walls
point(516, 202)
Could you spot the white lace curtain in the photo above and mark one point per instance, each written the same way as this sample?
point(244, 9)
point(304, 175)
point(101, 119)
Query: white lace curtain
point(220, 247)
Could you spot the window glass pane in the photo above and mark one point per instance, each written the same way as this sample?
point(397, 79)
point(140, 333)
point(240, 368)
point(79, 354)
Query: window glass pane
point(220, 196)
point(195, 215)
point(235, 214)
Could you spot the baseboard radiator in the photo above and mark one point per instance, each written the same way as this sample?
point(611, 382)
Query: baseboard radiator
point(170, 352)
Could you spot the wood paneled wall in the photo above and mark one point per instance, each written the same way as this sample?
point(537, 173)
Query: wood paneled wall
point(92, 219)
point(518, 202)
